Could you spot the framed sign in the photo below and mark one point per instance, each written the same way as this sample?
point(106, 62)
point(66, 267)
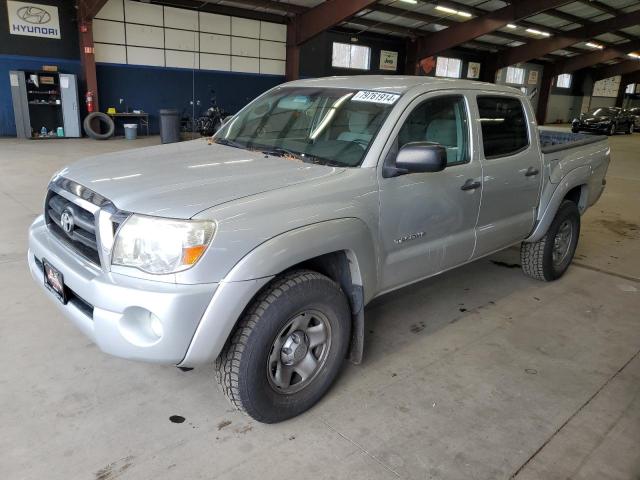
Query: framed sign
point(533, 77)
point(33, 19)
point(388, 60)
point(608, 87)
point(473, 70)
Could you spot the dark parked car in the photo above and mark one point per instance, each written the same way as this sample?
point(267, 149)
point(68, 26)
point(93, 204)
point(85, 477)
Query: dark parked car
point(608, 120)
point(635, 114)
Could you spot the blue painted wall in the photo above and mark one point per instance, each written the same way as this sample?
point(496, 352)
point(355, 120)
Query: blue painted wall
point(146, 88)
point(16, 62)
point(154, 88)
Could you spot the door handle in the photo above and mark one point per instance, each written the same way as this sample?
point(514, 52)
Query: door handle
point(471, 184)
point(531, 171)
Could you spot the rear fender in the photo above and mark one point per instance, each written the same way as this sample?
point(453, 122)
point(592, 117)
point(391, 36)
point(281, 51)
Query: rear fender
point(577, 177)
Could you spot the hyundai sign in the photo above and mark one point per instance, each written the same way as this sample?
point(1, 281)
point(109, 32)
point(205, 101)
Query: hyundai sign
point(33, 19)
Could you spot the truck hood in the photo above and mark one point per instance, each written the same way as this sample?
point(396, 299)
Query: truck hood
point(182, 179)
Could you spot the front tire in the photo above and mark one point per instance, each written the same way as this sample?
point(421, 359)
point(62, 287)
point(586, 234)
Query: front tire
point(612, 130)
point(575, 129)
point(630, 129)
point(288, 347)
point(548, 258)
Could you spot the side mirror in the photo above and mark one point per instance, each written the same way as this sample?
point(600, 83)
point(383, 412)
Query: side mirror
point(420, 157)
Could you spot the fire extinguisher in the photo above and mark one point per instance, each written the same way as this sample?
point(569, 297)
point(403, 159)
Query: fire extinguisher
point(89, 101)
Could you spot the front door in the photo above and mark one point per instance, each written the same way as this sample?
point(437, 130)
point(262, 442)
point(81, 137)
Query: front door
point(427, 220)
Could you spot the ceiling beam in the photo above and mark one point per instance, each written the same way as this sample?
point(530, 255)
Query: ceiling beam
point(222, 10)
point(415, 33)
point(482, 25)
point(597, 56)
point(288, 8)
point(88, 9)
point(585, 21)
point(431, 20)
point(622, 68)
point(327, 14)
point(538, 48)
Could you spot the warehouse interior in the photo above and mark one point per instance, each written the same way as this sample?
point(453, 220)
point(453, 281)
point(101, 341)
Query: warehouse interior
point(478, 372)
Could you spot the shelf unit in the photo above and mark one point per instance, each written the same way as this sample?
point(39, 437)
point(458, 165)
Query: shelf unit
point(45, 99)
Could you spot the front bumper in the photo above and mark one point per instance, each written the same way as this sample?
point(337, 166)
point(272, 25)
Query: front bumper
point(592, 127)
point(115, 310)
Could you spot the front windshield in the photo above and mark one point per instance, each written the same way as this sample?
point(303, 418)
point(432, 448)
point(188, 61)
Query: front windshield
point(331, 126)
point(600, 112)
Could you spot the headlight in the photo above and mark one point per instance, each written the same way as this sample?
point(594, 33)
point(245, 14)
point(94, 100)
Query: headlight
point(161, 245)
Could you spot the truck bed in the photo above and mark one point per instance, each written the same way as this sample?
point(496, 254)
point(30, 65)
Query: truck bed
point(552, 141)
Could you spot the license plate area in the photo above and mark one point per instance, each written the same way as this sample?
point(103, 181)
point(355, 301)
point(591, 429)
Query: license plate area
point(54, 281)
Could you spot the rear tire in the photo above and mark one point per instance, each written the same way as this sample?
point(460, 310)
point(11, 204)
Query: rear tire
point(612, 130)
point(548, 258)
point(629, 129)
point(575, 130)
point(288, 347)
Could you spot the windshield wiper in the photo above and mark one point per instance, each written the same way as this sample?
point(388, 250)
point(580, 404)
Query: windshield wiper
point(230, 143)
point(283, 152)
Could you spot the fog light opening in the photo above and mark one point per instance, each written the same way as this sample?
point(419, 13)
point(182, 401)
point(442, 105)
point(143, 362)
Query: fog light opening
point(156, 325)
point(141, 327)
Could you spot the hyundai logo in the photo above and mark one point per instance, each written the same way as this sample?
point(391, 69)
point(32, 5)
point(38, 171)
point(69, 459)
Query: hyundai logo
point(35, 15)
point(66, 221)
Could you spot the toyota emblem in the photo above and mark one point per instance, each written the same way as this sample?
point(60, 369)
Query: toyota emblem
point(66, 221)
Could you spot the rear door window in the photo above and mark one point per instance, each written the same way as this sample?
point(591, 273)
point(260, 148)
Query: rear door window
point(504, 126)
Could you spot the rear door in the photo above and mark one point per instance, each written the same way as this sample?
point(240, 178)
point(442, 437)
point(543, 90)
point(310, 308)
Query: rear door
point(427, 221)
point(512, 171)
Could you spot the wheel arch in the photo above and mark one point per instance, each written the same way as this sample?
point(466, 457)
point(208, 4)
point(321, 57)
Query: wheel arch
point(342, 249)
point(573, 187)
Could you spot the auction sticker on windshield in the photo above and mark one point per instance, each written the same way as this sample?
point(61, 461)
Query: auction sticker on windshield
point(375, 97)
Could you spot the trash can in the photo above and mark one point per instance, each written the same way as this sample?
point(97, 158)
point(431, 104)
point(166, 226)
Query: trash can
point(130, 131)
point(169, 126)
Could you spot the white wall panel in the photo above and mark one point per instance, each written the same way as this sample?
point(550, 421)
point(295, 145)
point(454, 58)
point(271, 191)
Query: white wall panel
point(244, 64)
point(212, 23)
point(112, 10)
point(108, 32)
point(145, 56)
point(213, 43)
point(141, 33)
point(273, 31)
point(174, 58)
point(274, 50)
point(180, 18)
point(106, 53)
point(243, 27)
point(272, 67)
point(215, 62)
point(246, 47)
point(145, 36)
point(144, 13)
point(180, 39)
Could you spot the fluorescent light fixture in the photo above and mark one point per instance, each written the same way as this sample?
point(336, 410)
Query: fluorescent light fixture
point(453, 11)
point(594, 45)
point(538, 32)
point(634, 55)
point(410, 1)
point(511, 26)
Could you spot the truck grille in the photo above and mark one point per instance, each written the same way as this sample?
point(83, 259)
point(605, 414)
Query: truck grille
point(72, 225)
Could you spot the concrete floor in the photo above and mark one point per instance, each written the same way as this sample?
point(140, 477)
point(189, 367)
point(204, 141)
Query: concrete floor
point(480, 373)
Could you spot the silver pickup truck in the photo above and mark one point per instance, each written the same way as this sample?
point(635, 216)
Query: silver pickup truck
point(260, 248)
